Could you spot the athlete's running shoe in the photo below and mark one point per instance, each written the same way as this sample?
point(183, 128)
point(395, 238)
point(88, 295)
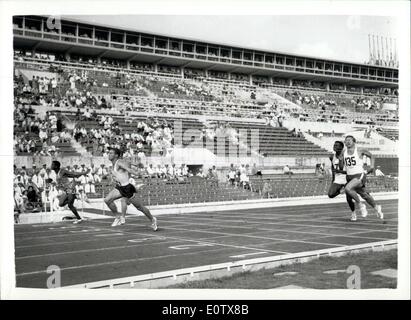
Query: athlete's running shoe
point(363, 209)
point(154, 224)
point(122, 220)
point(380, 214)
point(353, 217)
point(116, 222)
point(78, 221)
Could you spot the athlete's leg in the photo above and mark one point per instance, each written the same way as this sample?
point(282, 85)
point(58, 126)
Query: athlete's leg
point(63, 200)
point(139, 206)
point(124, 204)
point(350, 188)
point(334, 190)
point(110, 198)
point(370, 200)
point(70, 202)
point(350, 202)
point(366, 196)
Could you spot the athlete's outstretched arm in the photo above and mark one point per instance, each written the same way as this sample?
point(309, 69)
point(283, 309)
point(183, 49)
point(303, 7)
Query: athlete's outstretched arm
point(71, 174)
point(127, 166)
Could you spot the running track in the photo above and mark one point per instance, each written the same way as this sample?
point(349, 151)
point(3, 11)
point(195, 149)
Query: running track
point(94, 251)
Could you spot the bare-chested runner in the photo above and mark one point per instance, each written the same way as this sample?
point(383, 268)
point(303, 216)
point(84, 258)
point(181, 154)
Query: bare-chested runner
point(124, 189)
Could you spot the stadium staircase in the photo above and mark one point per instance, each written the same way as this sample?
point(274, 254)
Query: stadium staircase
point(79, 149)
point(389, 133)
point(279, 141)
point(273, 98)
point(324, 143)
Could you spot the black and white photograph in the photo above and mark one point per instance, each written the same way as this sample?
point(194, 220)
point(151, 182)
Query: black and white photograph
point(206, 150)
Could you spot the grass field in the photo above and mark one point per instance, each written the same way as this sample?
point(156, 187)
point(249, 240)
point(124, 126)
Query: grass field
point(311, 274)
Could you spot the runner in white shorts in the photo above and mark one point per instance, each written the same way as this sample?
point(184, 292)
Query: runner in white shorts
point(356, 175)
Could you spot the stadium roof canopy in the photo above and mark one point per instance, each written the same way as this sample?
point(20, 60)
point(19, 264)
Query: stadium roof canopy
point(191, 39)
point(357, 74)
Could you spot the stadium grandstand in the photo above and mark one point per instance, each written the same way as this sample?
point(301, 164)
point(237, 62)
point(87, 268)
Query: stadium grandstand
point(200, 122)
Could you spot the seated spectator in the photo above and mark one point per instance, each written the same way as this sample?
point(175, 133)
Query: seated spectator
point(32, 196)
point(266, 191)
point(200, 173)
point(255, 171)
point(244, 180)
point(287, 171)
point(87, 115)
point(151, 173)
point(18, 202)
point(214, 172)
point(231, 176)
point(90, 188)
point(163, 171)
point(102, 172)
point(184, 170)
point(320, 171)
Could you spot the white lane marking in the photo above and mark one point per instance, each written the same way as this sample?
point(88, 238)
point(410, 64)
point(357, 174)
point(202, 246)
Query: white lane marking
point(247, 236)
point(91, 240)
point(85, 250)
point(190, 246)
point(335, 271)
point(145, 239)
point(248, 254)
point(85, 230)
point(214, 243)
point(389, 273)
point(62, 228)
point(276, 213)
point(109, 234)
point(64, 235)
point(286, 273)
point(93, 265)
point(290, 223)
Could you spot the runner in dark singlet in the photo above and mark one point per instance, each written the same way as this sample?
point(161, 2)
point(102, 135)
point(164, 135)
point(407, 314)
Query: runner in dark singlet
point(66, 188)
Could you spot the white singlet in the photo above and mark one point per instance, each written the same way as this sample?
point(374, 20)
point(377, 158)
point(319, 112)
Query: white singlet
point(339, 178)
point(353, 163)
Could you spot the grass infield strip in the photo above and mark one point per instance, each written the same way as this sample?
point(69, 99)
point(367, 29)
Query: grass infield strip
point(311, 274)
point(181, 276)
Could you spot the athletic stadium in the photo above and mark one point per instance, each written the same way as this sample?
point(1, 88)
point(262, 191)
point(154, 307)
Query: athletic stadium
point(230, 146)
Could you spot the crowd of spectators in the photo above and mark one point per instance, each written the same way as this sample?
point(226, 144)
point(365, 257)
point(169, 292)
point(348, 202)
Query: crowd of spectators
point(150, 135)
point(239, 176)
point(274, 116)
point(36, 190)
point(178, 89)
point(37, 135)
point(218, 129)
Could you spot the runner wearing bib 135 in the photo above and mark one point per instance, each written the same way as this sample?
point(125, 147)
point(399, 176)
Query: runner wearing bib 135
point(356, 175)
